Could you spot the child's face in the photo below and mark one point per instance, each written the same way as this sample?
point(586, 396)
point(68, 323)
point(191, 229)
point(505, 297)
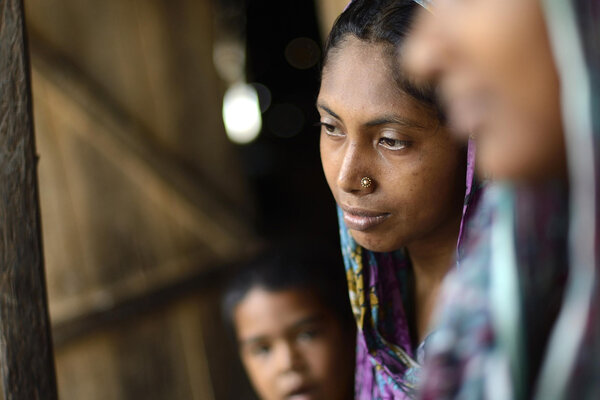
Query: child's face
point(293, 347)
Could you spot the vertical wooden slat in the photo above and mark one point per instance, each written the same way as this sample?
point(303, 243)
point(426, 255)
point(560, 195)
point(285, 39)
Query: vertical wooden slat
point(26, 357)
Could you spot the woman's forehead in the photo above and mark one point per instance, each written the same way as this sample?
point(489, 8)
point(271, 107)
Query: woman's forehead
point(362, 101)
point(360, 76)
point(353, 48)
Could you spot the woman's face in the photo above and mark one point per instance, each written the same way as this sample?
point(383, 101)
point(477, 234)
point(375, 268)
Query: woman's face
point(492, 61)
point(371, 128)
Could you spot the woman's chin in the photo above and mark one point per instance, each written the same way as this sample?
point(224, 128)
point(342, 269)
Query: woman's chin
point(373, 242)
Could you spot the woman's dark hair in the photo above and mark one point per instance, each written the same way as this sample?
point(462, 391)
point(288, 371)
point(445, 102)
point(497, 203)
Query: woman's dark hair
point(381, 21)
point(317, 269)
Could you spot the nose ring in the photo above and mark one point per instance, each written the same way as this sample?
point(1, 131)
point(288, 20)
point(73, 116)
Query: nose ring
point(366, 182)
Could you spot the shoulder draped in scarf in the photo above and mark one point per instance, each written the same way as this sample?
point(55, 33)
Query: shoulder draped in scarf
point(540, 338)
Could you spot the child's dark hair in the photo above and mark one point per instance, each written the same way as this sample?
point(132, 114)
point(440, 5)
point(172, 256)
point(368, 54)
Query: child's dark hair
point(316, 269)
point(381, 21)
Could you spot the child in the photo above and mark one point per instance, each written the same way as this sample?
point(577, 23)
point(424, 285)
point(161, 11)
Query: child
point(290, 313)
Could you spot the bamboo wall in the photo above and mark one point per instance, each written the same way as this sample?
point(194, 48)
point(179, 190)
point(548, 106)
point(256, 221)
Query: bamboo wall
point(328, 12)
point(142, 198)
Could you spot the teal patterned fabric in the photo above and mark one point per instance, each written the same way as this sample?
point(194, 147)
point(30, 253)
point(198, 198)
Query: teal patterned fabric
point(546, 344)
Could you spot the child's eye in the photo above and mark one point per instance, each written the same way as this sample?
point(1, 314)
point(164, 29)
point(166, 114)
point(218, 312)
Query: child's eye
point(394, 144)
point(260, 349)
point(308, 334)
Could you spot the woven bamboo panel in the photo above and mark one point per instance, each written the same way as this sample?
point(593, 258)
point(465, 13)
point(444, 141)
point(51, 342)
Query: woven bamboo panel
point(141, 196)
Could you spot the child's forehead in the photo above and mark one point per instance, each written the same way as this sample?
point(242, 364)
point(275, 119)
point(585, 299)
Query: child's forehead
point(263, 310)
point(267, 300)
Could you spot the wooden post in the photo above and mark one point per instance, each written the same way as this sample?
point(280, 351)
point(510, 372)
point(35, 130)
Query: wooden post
point(26, 356)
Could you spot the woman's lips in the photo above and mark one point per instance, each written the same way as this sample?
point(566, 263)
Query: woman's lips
point(362, 220)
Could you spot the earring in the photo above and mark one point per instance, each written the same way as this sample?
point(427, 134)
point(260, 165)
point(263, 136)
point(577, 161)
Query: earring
point(366, 182)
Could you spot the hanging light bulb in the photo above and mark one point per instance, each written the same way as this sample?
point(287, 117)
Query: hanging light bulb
point(241, 113)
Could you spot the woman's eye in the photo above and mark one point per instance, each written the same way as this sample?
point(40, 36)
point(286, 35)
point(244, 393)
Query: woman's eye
point(394, 144)
point(330, 130)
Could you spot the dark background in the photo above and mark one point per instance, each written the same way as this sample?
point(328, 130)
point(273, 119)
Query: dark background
point(285, 172)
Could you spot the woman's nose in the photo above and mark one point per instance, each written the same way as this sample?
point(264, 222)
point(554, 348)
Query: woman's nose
point(353, 175)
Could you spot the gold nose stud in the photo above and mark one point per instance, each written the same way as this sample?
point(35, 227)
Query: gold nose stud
point(366, 182)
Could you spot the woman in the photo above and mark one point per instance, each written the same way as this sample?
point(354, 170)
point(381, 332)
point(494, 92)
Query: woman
point(525, 76)
point(399, 181)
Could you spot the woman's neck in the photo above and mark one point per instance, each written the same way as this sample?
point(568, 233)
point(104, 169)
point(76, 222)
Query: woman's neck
point(430, 261)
